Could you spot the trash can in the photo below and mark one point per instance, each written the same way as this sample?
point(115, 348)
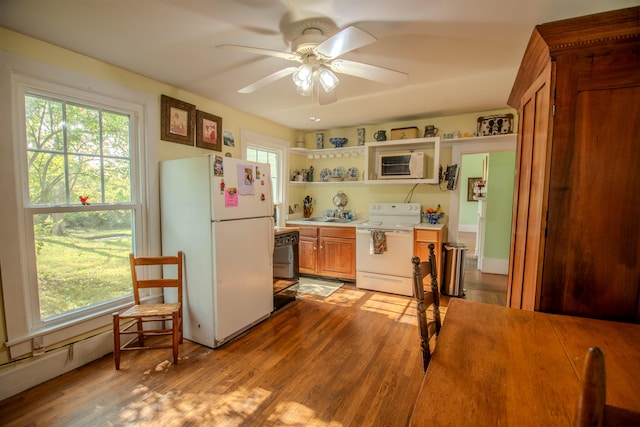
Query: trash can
point(453, 274)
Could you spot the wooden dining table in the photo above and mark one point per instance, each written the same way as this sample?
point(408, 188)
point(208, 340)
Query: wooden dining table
point(498, 366)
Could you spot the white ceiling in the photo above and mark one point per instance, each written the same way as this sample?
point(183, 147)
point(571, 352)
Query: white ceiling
point(461, 55)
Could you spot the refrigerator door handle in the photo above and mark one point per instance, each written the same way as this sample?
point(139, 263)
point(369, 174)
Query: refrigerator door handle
point(272, 239)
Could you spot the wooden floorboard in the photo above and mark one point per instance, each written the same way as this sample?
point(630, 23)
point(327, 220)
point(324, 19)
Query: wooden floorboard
point(487, 288)
point(351, 359)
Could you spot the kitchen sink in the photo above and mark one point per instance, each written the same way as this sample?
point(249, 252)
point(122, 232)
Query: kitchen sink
point(327, 219)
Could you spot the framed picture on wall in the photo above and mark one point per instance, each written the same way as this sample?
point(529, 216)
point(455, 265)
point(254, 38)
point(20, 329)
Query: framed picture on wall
point(471, 183)
point(208, 131)
point(177, 120)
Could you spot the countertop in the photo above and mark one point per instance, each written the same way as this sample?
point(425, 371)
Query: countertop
point(282, 230)
point(301, 221)
point(430, 226)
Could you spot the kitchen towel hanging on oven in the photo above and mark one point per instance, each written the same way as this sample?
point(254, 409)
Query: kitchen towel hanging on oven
point(378, 242)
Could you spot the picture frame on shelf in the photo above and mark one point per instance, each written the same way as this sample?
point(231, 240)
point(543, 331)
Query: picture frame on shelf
point(471, 184)
point(498, 124)
point(177, 120)
point(208, 131)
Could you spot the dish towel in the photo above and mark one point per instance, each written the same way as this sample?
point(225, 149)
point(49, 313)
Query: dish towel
point(378, 242)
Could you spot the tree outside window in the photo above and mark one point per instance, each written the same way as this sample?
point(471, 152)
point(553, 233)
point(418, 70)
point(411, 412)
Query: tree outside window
point(80, 203)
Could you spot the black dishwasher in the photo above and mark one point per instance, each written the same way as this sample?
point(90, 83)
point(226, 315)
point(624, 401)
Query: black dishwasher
point(285, 268)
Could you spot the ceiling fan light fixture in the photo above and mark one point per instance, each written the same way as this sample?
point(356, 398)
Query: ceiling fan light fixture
point(303, 77)
point(305, 90)
point(328, 79)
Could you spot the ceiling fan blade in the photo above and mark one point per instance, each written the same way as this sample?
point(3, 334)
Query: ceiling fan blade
point(267, 80)
point(325, 98)
point(366, 71)
point(344, 41)
point(260, 51)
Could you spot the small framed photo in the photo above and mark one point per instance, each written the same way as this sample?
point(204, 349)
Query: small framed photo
point(177, 120)
point(471, 184)
point(208, 131)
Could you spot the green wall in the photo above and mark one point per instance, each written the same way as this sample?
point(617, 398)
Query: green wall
point(500, 182)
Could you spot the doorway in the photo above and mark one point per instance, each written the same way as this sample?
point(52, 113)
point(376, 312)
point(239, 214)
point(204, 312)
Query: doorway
point(494, 264)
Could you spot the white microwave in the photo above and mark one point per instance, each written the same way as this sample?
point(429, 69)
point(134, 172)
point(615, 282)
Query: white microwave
point(401, 165)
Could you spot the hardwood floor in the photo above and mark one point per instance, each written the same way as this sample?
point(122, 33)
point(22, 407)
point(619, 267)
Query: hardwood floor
point(487, 288)
point(351, 359)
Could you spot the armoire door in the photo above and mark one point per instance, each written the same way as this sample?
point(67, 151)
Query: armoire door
point(592, 263)
point(530, 194)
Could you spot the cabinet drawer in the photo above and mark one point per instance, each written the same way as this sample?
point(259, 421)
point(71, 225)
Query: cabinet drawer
point(308, 231)
point(342, 232)
point(427, 235)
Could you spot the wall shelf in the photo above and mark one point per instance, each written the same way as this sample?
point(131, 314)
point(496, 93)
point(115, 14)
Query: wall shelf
point(506, 138)
point(370, 151)
point(329, 153)
point(345, 182)
point(430, 146)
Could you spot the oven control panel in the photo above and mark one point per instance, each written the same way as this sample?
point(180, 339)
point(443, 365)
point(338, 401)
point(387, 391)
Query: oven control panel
point(287, 239)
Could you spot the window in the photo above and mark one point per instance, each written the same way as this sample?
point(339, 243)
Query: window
point(263, 155)
point(66, 269)
point(80, 204)
point(275, 152)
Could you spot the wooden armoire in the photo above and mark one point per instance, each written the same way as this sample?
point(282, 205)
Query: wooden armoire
point(575, 245)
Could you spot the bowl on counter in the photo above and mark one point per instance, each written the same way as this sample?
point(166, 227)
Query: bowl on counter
point(432, 218)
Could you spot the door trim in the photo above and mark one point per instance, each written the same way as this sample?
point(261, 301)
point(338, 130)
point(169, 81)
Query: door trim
point(457, 151)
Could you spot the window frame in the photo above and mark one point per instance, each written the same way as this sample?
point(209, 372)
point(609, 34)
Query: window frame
point(281, 146)
point(19, 279)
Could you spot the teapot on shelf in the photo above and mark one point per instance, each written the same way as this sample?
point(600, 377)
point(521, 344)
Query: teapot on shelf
point(430, 130)
point(380, 135)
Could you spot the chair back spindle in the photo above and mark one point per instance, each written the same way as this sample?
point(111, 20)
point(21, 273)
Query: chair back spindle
point(428, 330)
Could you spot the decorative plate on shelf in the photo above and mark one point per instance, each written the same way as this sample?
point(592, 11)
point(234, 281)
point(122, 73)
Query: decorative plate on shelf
point(338, 172)
point(352, 174)
point(325, 174)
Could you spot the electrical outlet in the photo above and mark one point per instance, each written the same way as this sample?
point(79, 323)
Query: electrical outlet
point(37, 346)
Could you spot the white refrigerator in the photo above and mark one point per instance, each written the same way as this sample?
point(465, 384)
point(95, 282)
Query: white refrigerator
point(218, 211)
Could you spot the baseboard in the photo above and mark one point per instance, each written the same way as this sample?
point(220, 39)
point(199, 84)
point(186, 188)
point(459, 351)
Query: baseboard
point(25, 375)
point(468, 228)
point(495, 266)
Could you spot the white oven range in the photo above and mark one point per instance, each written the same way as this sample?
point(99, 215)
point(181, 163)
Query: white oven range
point(391, 269)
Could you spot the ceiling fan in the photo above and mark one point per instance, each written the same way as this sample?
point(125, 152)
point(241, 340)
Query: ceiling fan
point(319, 55)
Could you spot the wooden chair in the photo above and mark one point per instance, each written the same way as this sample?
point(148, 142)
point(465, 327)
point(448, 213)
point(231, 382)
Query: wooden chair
point(169, 315)
point(428, 330)
point(592, 409)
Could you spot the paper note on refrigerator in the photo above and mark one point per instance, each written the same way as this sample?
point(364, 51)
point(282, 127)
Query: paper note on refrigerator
point(231, 198)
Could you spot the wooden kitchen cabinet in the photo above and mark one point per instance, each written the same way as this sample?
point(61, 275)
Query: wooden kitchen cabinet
point(337, 255)
point(575, 246)
point(328, 251)
point(422, 238)
point(308, 250)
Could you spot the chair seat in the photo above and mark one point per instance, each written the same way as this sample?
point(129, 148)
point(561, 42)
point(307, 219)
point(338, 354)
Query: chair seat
point(151, 310)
